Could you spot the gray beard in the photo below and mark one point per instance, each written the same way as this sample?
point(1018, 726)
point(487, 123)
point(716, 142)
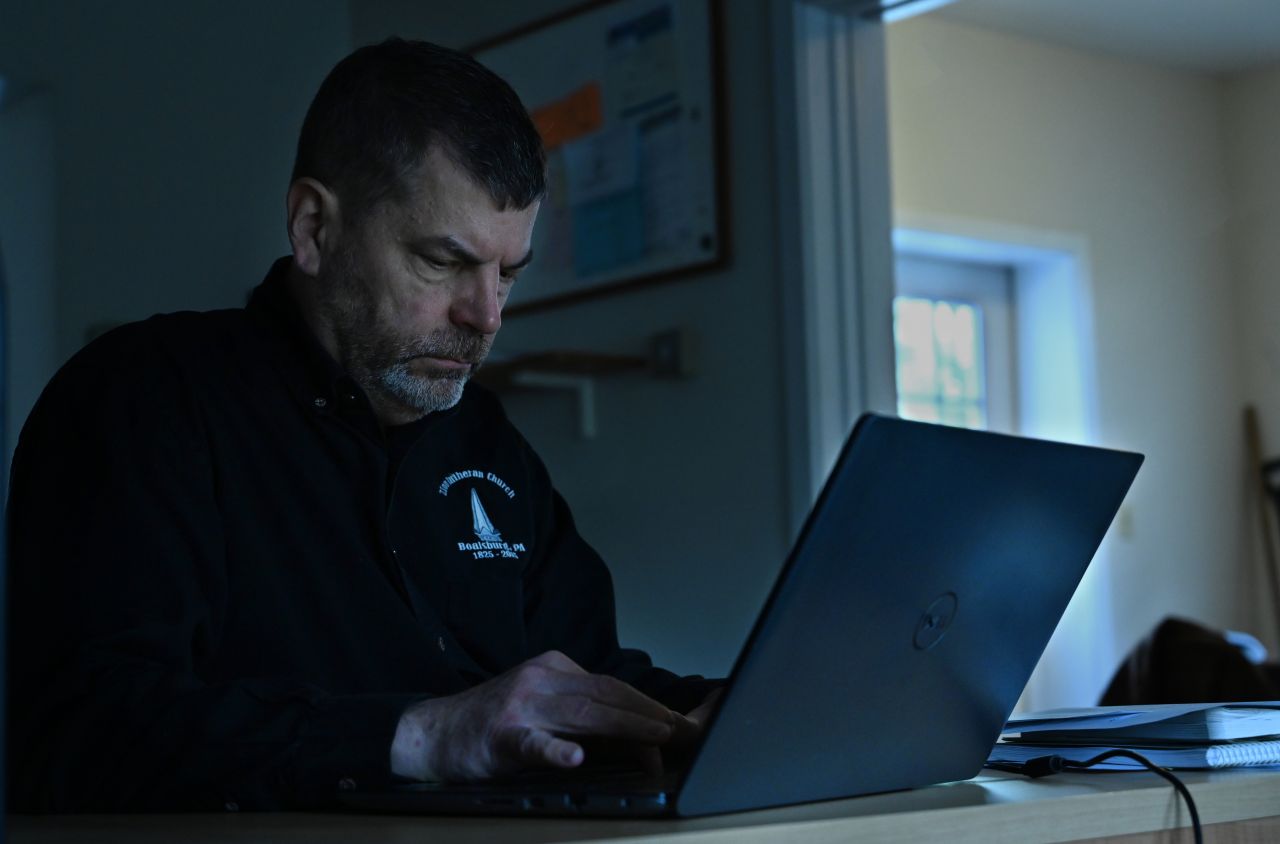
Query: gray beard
point(424, 393)
point(379, 362)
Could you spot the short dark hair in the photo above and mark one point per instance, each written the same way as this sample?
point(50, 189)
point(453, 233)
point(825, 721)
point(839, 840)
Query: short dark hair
point(382, 108)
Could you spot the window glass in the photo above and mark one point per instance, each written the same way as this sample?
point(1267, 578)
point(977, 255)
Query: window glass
point(940, 363)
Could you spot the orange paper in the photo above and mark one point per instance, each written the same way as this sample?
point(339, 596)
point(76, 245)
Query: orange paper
point(580, 113)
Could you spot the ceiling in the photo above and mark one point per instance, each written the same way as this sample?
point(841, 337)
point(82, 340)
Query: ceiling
point(1214, 36)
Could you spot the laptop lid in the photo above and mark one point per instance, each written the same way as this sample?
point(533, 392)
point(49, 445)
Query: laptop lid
point(918, 598)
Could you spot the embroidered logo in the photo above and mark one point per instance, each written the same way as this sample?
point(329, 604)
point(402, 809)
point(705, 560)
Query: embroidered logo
point(485, 531)
point(450, 480)
point(488, 543)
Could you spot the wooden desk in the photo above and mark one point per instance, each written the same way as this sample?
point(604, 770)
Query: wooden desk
point(1119, 808)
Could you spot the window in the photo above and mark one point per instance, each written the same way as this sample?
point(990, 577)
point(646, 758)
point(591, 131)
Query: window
point(952, 333)
point(939, 361)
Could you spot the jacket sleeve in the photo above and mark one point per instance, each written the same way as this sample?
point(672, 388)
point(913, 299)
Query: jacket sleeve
point(117, 595)
point(570, 606)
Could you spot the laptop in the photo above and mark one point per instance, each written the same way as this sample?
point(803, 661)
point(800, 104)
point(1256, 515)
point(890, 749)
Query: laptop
point(900, 632)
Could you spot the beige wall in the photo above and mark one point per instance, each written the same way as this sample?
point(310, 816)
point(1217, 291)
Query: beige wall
point(1252, 120)
point(998, 131)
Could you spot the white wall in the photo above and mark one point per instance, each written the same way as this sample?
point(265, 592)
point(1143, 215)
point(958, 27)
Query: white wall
point(996, 130)
point(683, 491)
point(1253, 166)
point(175, 125)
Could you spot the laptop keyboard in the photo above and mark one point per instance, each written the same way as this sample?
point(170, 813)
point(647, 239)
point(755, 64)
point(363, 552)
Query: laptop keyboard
point(607, 774)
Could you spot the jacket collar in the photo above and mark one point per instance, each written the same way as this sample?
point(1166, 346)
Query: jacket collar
point(317, 380)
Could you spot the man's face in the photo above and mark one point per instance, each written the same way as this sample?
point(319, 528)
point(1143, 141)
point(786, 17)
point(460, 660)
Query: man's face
point(412, 295)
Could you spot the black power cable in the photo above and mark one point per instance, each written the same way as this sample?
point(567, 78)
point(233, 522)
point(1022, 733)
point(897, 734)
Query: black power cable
point(1043, 766)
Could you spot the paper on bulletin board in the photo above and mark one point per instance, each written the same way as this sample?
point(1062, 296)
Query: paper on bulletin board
point(605, 199)
point(670, 219)
point(570, 117)
point(643, 65)
point(622, 97)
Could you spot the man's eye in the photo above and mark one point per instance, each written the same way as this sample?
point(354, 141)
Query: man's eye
point(434, 263)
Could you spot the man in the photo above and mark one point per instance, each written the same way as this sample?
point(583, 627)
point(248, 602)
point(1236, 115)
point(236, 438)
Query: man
point(262, 555)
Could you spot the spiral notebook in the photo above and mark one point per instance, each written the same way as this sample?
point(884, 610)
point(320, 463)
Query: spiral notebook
point(1193, 735)
point(1236, 754)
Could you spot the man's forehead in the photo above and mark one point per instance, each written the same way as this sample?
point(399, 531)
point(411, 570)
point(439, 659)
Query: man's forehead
point(442, 171)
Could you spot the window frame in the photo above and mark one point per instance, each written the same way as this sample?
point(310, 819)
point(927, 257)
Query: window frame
point(835, 230)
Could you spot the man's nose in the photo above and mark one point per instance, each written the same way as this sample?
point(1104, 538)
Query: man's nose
point(478, 305)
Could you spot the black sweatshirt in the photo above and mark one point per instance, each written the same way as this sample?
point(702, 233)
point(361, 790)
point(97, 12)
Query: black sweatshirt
point(227, 582)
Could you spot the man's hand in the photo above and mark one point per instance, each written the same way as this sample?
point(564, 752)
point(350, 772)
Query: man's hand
point(520, 720)
point(705, 709)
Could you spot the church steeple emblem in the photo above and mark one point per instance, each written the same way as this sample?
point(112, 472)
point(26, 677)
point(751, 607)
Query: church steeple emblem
point(480, 523)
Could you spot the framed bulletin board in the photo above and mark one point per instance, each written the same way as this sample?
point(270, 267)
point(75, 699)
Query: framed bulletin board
point(625, 95)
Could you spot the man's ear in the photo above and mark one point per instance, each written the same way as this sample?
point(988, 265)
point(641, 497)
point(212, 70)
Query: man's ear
point(314, 222)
